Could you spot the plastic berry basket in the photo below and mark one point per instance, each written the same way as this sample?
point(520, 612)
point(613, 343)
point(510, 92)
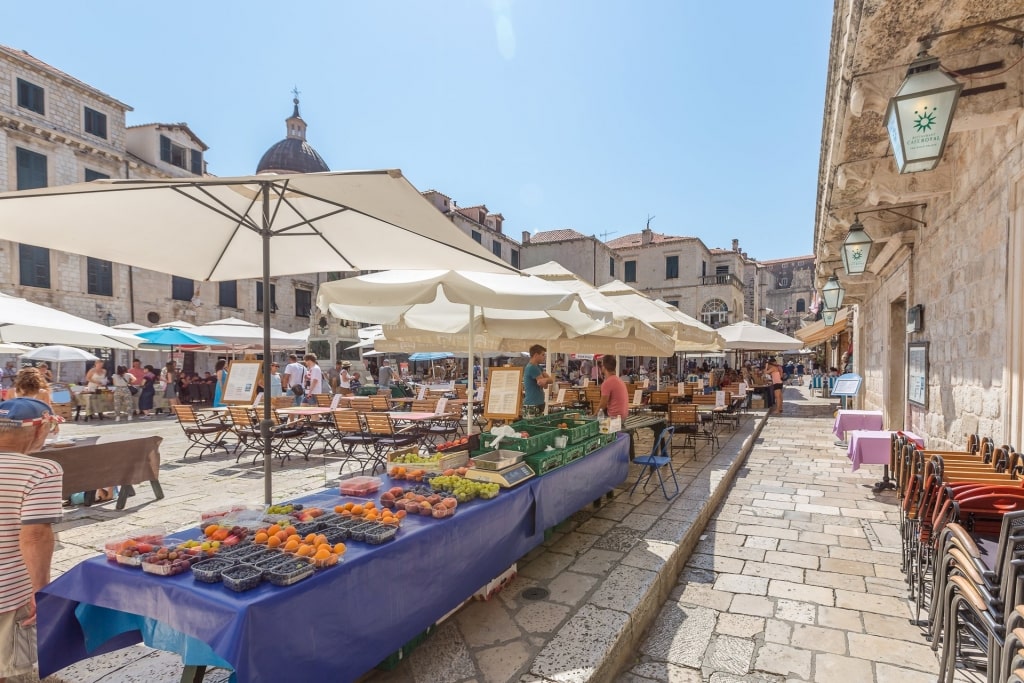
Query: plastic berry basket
point(237, 551)
point(292, 571)
point(241, 577)
point(335, 535)
point(359, 533)
point(382, 534)
point(208, 571)
point(359, 486)
point(271, 562)
point(179, 565)
point(304, 528)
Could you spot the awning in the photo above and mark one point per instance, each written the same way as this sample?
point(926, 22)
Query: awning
point(817, 333)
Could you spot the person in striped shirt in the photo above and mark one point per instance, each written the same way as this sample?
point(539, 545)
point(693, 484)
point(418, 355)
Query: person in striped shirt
point(30, 503)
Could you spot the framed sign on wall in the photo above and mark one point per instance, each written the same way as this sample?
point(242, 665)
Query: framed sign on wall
point(917, 373)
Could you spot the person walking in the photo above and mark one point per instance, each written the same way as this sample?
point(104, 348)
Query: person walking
point(30, 503)
point(774, 372)
point(345, 379)
point(169, 377)
point(314, 378)
point(222, 380)
point(148, 391)
point(122, 383)
point(385, 376)
point(535, 382)
point(294, 375)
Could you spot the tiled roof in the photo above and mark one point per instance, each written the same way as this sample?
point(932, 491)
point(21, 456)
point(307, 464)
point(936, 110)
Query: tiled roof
point(40, 64)
point(183, 126)
point(788, 259)
point(556, 236)
point(436, 192)
point(636, 240)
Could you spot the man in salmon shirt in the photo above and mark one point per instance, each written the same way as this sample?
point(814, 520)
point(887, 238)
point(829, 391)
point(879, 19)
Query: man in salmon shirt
point(614, 395)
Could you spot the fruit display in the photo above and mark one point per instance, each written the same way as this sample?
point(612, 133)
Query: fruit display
point(465, 489)
point(359, 486)
point(224, 534)
point(369, 512)
point(415, 458)
point(143, 540)
point(420, 501)
point(287, 573)
point(166, 561)
point(284, 508)
point(454, 445)
point(131, 552)
point(241, 577)
point(208, 571)
point(313, 546)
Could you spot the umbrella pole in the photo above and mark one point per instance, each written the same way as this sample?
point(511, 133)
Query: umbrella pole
point(266, 424)
point(469, 381)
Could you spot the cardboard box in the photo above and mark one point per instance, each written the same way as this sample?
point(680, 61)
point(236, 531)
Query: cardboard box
point(494, 586)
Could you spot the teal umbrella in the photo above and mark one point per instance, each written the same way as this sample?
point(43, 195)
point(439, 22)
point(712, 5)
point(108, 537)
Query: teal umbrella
point(175, 336)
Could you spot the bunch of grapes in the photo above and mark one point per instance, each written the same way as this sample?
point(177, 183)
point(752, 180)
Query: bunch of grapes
point(283, 508)
point(416, 459)
point(464, 489)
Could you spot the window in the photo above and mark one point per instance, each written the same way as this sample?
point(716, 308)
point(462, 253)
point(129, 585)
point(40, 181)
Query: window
point(91, 175)
point(173, 153)
point(496, 248)
point(671, 267)
point(99, 276)
point(95, 123)
point(35, 266)
point(31, 97)
point(182, 288)
point(673, 303)
point(228, 295)
point(514, 258)
point(715, 313)
point(31, 169)
point(259, 297)
point(611, 266)
point(197, 162)
point(721, 270)
point(703, 268)
point(630, 271)
point(801, 306)
point(783, 281)
point(476, 236)
point(303, 303)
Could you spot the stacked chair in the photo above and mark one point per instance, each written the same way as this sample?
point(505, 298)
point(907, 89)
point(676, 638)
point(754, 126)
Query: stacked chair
point(962, 524)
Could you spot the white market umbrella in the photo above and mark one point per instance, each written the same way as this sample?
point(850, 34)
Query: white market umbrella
point(317, 222)
point(129, 327)
point(179, 324)
point(58, 354)
point(22, 321)
point(746, 336)
point(11, 347)
point(459, 309)
point(673, 322)
point(234, 332)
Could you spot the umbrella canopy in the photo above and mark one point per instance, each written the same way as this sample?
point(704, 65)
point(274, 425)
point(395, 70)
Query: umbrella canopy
point(242, 333)
point(59, 354)
point(25, 322)
point(180, 324)
point(318, 222)
point(430, 355)
point(172, 336)
point(129, 327)
point(746, 336)
point(674, 323)
point(10, 347)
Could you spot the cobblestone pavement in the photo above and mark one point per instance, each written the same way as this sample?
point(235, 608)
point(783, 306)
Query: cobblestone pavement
point(796, 577)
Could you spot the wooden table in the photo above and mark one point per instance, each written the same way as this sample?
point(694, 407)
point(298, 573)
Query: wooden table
point(102, 461)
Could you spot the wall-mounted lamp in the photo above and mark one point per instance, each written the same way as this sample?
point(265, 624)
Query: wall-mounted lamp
point(832, 293)
point(856, 249)
point(109, 319)
point(828, 316)
point(322, 324)
point(919, 115)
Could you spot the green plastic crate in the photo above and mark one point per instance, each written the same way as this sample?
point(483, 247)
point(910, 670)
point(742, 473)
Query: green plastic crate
point(573, 453)
point(393, 659)
point(592, 445)
point(542, 463)
point(540, 438)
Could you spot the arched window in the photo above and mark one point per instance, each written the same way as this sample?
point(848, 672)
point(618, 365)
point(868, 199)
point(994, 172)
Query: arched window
point(714, 313)
point(801, 306)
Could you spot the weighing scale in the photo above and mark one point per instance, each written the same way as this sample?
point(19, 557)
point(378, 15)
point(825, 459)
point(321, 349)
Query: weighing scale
point(505, 478)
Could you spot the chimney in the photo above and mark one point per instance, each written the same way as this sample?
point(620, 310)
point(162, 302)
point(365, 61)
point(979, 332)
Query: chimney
point(735, 245)
point(526, 236)
point(645, 236)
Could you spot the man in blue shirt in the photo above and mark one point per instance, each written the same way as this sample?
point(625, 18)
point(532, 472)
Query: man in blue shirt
point(535, 382)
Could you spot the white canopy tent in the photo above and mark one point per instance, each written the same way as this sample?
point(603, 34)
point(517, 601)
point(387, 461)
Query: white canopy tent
point(313, 221)
point(746, 336)
point(242, 334)
point(684, 329)
point(22, 321)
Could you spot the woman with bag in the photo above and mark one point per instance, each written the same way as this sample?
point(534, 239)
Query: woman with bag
point(148, 391)
point(222, 379)
point(169, 378)
point(122, 383)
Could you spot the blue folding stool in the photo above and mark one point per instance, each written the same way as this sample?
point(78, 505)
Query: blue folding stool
point(660, 456)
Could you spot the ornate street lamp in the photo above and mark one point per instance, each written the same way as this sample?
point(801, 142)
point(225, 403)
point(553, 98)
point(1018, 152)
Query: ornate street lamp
point(832, 293)
point(322, 324)
point(828, 316)
point(856, 249)
point(919, 115)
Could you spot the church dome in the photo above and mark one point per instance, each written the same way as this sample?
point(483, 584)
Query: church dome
point(293, 154)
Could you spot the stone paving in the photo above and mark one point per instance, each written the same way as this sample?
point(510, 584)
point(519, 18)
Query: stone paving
point(795, 577)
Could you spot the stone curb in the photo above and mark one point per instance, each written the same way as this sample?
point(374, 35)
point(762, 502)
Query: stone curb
point(612, 653)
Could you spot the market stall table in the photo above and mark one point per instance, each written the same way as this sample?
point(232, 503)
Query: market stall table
point(95, 462)
point(338, 624)
point(848, 420)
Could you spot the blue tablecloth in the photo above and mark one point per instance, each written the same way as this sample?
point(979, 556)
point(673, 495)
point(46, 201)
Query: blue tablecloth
point(343, 621)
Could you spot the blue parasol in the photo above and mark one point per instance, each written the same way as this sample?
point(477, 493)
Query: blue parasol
point(430, 355)
point(175, 336)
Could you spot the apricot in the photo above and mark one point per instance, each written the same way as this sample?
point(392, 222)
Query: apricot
point(273, 542)
point(261, 537)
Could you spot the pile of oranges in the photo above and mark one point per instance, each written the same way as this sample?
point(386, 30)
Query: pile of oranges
point(409, 474)
point(313, 546)
point(369, 512)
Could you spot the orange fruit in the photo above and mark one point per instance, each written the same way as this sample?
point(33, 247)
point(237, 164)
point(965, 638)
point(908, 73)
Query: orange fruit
point(322, 554)
point(339, 548)
point(320, 540)
point(273, 529)
point(292, 545)
point(304, 550)
point(400, 514)
point(211, 530)
point(339, 508)
point(260, 537)
point(357, 510)
point(369, 504)
point(283, 535)
point(310, 538)
point(273, 541)
point(290, 530)
point(349, 505)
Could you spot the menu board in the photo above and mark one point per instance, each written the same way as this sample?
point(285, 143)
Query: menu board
point(503, 398)
point(243, 376)
point(917, 373)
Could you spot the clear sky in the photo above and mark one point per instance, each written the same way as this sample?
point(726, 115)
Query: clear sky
point(583, 114)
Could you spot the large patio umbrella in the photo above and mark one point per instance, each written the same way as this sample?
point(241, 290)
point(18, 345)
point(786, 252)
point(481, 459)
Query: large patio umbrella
point(22, 321)
point(746, 336)
point(460, 309)
point(317, 222)
point(169, 337)
point(673, 322)
point(237, 333)
point(58, 354)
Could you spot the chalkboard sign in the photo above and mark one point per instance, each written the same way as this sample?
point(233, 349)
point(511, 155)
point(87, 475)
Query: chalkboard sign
point(503, 398)
point(243, 377)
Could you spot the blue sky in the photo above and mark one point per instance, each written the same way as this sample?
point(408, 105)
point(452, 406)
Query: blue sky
point(584, 114)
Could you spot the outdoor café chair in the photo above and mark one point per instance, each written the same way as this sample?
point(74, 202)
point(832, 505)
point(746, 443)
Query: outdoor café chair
point(351, 438)
point(424, 405)
point(659, 401)
point(386, 437)
point(683, 418)
point(659, 458)
point(380, 403)
point(205, 433)
point(245, 427)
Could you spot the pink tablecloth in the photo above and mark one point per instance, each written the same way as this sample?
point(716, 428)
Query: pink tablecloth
point(870, 447)
point(848, 420)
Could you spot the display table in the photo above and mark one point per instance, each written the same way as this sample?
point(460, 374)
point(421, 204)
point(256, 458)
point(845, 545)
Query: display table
point(338, 624)
point(849, 420)
point(871, 447)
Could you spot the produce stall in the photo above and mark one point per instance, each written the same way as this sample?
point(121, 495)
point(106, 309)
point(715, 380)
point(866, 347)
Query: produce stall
point(343, 620)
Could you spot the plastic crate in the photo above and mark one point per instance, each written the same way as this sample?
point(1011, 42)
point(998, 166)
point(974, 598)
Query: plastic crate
point(592, 445)
point(208, 571)
point(241, 577)
point(573, 453)
point(578, 430)
point(542, 463)
point(392, 660)
point(287, 573)
point(540, 438)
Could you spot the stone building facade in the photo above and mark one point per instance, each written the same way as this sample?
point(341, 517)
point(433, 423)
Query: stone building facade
point(585, 255)
point(789, 295)
point(947, 240)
